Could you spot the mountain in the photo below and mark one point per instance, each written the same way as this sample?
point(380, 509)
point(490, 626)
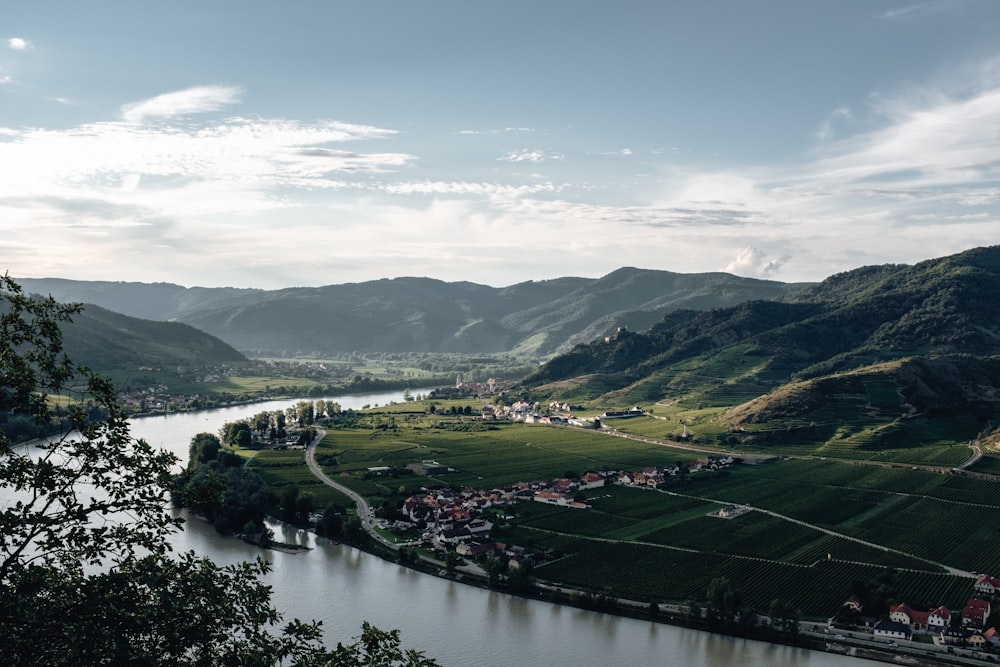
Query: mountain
point(882, 343)
point(422, 314)
point(109, 341)
point(149, 301)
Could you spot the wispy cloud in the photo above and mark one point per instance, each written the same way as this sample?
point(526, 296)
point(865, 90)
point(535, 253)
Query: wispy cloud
point(919, 8)
point(18, 43)
point(535, 156)
point(100, 174)
point(199, 99)
point(836, 118)
point(499, 131)
point(918, 170)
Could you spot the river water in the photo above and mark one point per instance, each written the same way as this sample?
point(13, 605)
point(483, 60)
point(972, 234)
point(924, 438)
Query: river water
point(457, 625)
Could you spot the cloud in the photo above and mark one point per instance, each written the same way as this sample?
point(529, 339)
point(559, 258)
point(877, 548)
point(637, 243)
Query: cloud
point(535, 156)
point(139, 173)
point(837, 116)
point(931, 6)
point(18, 44)
point(915, 173)
point(929, 140)
point(501, 131)
point(199, 99)
point(754, 263)
point(512, 192)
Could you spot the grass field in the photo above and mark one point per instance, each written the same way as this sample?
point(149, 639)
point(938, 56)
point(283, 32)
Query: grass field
point(834, 521)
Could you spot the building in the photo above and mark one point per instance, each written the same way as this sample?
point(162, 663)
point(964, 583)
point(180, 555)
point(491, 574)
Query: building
point(939, 618)
point(987, 585)
point(887, 629)
point(975, 612)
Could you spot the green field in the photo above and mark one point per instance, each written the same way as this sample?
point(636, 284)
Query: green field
point(820, 523)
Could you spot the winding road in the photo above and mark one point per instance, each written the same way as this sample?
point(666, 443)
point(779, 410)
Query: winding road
point(364, 511)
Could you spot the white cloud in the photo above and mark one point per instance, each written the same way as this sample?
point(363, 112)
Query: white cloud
point(501, 131)
point(18, 43)
point(923, 180)
point(907, 11)
point(754, 263)
point(199, 99)
point(535, 156)
point(837, 117)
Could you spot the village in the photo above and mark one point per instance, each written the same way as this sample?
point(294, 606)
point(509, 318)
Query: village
point(969, 627)
point(460, 520)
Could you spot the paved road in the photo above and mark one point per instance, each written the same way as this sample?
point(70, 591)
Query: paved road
point(364, 511)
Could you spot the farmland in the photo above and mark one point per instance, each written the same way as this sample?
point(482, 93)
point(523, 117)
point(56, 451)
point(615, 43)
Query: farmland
point(819, 525)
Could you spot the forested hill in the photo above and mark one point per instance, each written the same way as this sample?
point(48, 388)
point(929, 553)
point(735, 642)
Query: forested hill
point(931, 330)
point(105, 340)
point(422, 314)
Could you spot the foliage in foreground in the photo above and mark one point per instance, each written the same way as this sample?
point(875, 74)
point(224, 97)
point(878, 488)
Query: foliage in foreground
point(86, 572)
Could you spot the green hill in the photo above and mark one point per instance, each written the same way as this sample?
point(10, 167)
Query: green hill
point(108, 341)
point(867, 357)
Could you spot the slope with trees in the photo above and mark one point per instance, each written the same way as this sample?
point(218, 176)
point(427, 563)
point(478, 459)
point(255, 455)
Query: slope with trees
point(86, 572)
point(886, 347)
point(425, 315)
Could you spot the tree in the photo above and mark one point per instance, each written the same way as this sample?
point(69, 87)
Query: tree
point(451, 561)
point(204, 448)
point(331, 521)
point(289, 494)
point(86, 572)
point(305, 413)
point(238, 433)
point(378, 648)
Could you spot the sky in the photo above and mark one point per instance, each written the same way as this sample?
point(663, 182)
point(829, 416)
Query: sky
point(318, 142)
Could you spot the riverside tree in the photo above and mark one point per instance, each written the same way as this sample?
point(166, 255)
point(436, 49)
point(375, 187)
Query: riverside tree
point(87, 575)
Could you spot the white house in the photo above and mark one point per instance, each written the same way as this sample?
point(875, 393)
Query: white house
point(939, 618)
point(891, 630)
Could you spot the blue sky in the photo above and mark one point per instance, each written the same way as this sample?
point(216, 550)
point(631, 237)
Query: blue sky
point(263, 144)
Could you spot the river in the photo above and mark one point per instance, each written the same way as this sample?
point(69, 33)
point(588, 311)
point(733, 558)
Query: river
point(457, 625)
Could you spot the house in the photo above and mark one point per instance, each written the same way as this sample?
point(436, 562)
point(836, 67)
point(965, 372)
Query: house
point(853, 603)
point(479, 527)
point(887, 629)
point(986, 585)
point(975, 612)
point(591, 480)
point(428, 468)
point(624, 414)
point(955, 636)
point(900, 613)
point(903, 613)
point(474, 549)
point(939, 618)
point(552, 498)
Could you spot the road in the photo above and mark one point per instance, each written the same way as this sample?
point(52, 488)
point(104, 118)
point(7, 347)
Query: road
point(364, 511)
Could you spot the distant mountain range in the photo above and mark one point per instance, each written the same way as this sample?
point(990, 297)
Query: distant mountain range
point(868, 347)
point(421, 314)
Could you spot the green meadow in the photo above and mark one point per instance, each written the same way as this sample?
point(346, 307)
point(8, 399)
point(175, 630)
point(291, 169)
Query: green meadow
point(820, 523)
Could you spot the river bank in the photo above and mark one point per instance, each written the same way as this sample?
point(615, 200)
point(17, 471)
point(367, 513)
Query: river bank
point(454, 620)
